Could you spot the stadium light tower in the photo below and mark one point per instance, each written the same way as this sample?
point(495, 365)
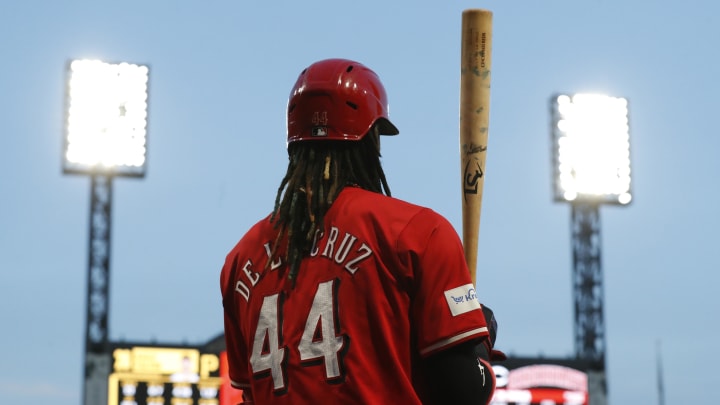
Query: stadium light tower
point(105, 136)
point(591, 166)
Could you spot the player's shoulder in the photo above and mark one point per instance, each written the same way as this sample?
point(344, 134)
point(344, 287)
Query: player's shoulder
point(257, 233)
point(371, 204)
point(360, 199)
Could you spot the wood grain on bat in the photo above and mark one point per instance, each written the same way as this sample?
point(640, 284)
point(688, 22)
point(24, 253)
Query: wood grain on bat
point(475, 73)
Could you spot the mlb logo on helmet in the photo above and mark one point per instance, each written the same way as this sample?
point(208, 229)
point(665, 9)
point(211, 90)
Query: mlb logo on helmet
point(319, 131)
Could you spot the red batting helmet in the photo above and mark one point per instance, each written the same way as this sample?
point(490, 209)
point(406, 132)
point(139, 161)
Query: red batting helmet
point(337, 99)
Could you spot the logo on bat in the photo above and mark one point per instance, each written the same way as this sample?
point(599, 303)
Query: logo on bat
point(472, 173)
point(472, 176)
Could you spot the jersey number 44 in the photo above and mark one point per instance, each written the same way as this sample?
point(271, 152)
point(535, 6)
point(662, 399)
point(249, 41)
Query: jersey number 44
point(321, 342)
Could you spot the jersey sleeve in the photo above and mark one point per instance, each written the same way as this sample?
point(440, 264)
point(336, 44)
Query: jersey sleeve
point(234, 342)
point(445, 309)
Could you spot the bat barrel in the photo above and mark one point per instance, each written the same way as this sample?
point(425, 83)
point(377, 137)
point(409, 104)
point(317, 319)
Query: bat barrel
point(475, 69)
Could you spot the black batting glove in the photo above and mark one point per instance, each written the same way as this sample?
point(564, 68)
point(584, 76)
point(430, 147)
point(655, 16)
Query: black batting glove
point(485, 350)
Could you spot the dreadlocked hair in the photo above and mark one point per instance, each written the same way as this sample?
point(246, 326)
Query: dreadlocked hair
point(317, 172)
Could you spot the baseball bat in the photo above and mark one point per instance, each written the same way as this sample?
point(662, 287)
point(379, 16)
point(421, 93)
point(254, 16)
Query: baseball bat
point(475, 64)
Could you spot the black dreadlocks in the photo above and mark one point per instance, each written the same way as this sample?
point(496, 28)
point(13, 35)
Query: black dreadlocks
point(317, 172)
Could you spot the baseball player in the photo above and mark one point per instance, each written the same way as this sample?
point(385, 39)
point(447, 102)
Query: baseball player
point(344, 294)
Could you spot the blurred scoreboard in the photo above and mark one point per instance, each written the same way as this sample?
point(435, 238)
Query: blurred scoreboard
point(169, 375)
point(531, 381)
point(149, 374)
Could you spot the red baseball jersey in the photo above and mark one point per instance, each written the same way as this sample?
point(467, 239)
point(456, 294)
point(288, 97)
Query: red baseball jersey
point(385, 284)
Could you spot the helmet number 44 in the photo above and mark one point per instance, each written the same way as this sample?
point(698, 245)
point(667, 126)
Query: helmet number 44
point(320, 118)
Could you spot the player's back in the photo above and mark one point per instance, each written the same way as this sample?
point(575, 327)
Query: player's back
point(347, 331)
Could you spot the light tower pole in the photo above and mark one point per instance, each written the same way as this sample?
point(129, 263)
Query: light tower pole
point(105, 137)
point(591, 167)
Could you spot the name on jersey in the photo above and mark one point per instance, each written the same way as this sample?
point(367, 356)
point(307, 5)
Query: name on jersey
point(346, 251)
point(462, 299)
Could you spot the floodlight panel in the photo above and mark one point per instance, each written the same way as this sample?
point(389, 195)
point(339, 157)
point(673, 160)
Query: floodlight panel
point(106, 128)
point(591, 148)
